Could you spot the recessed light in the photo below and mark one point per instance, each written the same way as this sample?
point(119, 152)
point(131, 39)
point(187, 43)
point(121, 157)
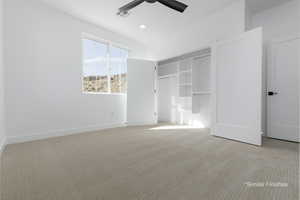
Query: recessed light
point(142, 26)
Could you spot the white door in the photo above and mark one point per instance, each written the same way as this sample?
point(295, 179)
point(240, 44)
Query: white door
point(237, 88)
point(283, 87)
point(141, 97)
point(167, 99)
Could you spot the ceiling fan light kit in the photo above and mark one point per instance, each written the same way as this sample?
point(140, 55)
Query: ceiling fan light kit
point(123, 13)
point(173, 4)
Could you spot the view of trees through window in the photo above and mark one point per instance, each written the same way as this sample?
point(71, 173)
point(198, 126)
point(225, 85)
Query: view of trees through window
point(104, 67)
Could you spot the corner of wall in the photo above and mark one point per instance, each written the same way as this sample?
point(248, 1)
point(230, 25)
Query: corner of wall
point(2, 88)
point(2, 145)
point(248, 16)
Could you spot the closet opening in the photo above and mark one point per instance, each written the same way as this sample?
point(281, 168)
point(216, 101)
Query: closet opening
point(184, 90)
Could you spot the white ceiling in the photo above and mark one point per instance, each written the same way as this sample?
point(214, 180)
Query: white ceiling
point(162, 22)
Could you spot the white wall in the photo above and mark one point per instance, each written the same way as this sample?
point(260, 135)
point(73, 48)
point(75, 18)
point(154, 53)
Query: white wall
point(43, 66)
point(2, 124)
point(279, 22)
point(223, 24)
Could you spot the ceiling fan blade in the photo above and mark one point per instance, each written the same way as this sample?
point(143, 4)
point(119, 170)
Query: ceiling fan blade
point(130, 5)
point(176, 5)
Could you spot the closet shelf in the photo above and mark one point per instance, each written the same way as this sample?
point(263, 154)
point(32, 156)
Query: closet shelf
point(201, 93)
point(185, 97)
point(185, 85)
point(185, 71)
point(167, 76)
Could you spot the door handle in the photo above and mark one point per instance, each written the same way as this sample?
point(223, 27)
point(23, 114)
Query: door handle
point(271, 93)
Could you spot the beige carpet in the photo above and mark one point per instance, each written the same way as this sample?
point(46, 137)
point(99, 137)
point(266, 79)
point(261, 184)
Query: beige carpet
point(142, 164)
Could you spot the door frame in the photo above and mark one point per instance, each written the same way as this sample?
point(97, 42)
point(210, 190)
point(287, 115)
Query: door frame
point(269, 64)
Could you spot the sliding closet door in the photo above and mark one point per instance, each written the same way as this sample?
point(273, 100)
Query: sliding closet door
point(237, 88)
point(141, 97)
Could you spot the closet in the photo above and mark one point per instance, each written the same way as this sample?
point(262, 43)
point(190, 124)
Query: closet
point(191, 103)
point(223, 88)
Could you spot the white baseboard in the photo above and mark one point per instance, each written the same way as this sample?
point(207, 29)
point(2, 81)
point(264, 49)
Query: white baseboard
point(59, 133)
point(2, 145)
point(141, 123)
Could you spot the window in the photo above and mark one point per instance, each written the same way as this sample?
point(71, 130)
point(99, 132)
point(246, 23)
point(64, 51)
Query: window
point(104, 67)
point(118, 69)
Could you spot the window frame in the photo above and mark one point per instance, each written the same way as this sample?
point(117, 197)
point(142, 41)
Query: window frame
point(109, 44)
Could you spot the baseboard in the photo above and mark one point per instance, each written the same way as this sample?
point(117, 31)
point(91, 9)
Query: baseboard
point(2, 145)
point(141, 123)
point(59, 133)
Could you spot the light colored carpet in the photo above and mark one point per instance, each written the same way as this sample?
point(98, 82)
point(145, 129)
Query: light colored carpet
point(138, 163)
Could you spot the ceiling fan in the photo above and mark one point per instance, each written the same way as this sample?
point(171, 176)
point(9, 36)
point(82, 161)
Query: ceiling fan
point(176, 5)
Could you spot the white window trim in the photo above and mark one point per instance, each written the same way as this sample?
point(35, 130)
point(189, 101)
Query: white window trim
point(109, 44)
